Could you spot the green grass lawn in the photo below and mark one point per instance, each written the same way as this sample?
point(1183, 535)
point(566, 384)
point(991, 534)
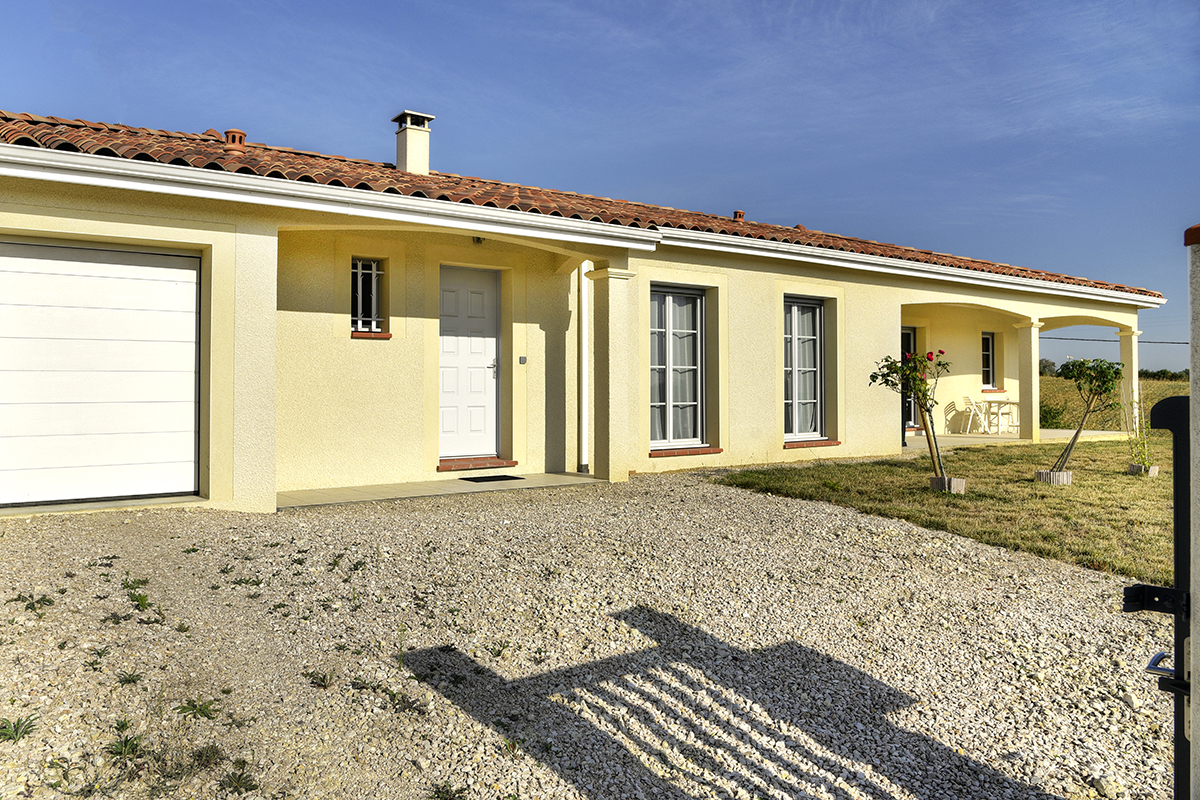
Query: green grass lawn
point(1061, 393)
point(1106, 520)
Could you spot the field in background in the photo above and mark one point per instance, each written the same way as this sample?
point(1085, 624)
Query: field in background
point(1060, 393)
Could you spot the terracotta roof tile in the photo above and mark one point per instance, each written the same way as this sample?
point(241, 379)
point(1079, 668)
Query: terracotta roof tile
point(207, 151)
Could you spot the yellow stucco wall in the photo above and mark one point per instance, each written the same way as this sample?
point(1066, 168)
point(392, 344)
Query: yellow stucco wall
point(237, 247)
point(290, 401)
point(365, 411)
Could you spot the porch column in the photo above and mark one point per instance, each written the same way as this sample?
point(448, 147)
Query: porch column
point(1028, 342)
point(1130, 384)
point(617, 358)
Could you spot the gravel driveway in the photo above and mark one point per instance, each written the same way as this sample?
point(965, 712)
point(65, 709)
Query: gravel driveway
point(665, 638)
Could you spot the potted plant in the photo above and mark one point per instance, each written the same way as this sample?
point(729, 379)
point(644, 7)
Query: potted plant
point(1096, 380)
point(1139, 440)
point(916, 376)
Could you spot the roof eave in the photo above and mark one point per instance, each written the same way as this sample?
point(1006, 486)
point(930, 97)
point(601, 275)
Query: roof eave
point(106, 172)
point(897, 266)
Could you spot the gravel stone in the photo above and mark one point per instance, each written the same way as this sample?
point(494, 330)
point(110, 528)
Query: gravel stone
point(664, 638)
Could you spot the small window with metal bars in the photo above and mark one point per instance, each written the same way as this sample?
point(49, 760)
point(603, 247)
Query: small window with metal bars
point(366, 286)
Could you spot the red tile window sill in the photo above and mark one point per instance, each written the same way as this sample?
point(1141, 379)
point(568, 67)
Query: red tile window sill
point(471, 462)
point(685, 451)
point(812, 443)
point(992, 391)
point(369, 335)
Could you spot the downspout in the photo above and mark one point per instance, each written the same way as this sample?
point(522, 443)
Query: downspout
point(584, 365)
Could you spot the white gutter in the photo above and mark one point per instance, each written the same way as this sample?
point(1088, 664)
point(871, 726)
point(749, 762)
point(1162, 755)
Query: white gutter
point(742, 245)
point(145, 176)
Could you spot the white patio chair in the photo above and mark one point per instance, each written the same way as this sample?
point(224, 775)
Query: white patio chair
point(976, 411)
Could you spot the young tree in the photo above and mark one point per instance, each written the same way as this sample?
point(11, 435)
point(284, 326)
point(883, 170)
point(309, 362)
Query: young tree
point(918, 376)
point(1097, 381)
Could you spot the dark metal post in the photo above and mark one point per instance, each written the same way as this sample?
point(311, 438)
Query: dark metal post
point(1173, 414)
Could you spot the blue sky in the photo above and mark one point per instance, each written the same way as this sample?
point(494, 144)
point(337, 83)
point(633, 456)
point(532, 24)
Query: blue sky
point(1060, 136)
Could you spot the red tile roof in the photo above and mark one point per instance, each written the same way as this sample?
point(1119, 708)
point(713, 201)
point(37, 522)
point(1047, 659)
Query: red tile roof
point(209, 150)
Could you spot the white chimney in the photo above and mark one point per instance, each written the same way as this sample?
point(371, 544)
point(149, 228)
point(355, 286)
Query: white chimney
point(412, 142)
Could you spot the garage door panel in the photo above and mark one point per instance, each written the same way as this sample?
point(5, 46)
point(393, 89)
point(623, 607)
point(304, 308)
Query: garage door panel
point(96, 450)
point(81, 418)
point(92, 291)
point(126, 480)
point(98, 374)
point(37, 388)
point(82, 356)
point(29, 322)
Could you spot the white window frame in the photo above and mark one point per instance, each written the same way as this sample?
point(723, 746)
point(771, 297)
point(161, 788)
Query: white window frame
point(987, 370)
point(668, 401)
point(366, 315)
point(791, 306)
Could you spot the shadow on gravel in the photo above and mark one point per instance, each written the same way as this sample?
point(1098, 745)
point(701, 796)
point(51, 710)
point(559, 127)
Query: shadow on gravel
point(695, 717)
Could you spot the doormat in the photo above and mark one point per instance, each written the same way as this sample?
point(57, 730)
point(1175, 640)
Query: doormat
point(490, 478)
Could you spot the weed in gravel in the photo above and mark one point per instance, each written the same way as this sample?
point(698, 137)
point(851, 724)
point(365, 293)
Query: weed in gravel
point(159, 617)
point(207, 756)
point(225, 570)
point(321, 680)
point(183, 627)
point(498, 649)
point(68, 574)
point(30, 603)
point(247, 582)
point(197, 708)
point(511, 748)
point(122, 725)
point(130, 678)
point(444, 791)
point(116, 618)
point(132, 584)
point(239, 782)
point(14, 730)
point(124, 749)
point(140, 600)
point(190, 550)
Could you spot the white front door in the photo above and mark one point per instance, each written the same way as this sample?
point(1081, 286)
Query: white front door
point(470, 350)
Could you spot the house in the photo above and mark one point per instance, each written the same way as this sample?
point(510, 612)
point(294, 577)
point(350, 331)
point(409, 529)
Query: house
point(193, 314)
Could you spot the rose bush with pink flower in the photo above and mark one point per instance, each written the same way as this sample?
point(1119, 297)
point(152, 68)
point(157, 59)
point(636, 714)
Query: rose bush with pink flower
point(917, 377)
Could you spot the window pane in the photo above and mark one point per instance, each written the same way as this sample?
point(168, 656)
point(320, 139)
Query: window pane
point(788, 313)
point(658, 385)
point(684, 313)
point(683, 385)
point(658, 311)
point(658, 349)
point(788, 353)
point(658, 423)
point(683, 350)
point(788, 376)
point(806, 417)
point(807, 322)
point(807, 353)
point(808, 385)
point(684, 420)
point(787, 418)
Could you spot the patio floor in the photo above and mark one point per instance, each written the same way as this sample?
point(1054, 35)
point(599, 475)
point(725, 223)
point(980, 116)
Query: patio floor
point(462, 485)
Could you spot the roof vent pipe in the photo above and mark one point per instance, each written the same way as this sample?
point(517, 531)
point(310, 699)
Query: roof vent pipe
point(739, 215)
point(235, 141)
point(412, 142)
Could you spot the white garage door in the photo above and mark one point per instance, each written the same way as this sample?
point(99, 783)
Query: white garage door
point(98, 374)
